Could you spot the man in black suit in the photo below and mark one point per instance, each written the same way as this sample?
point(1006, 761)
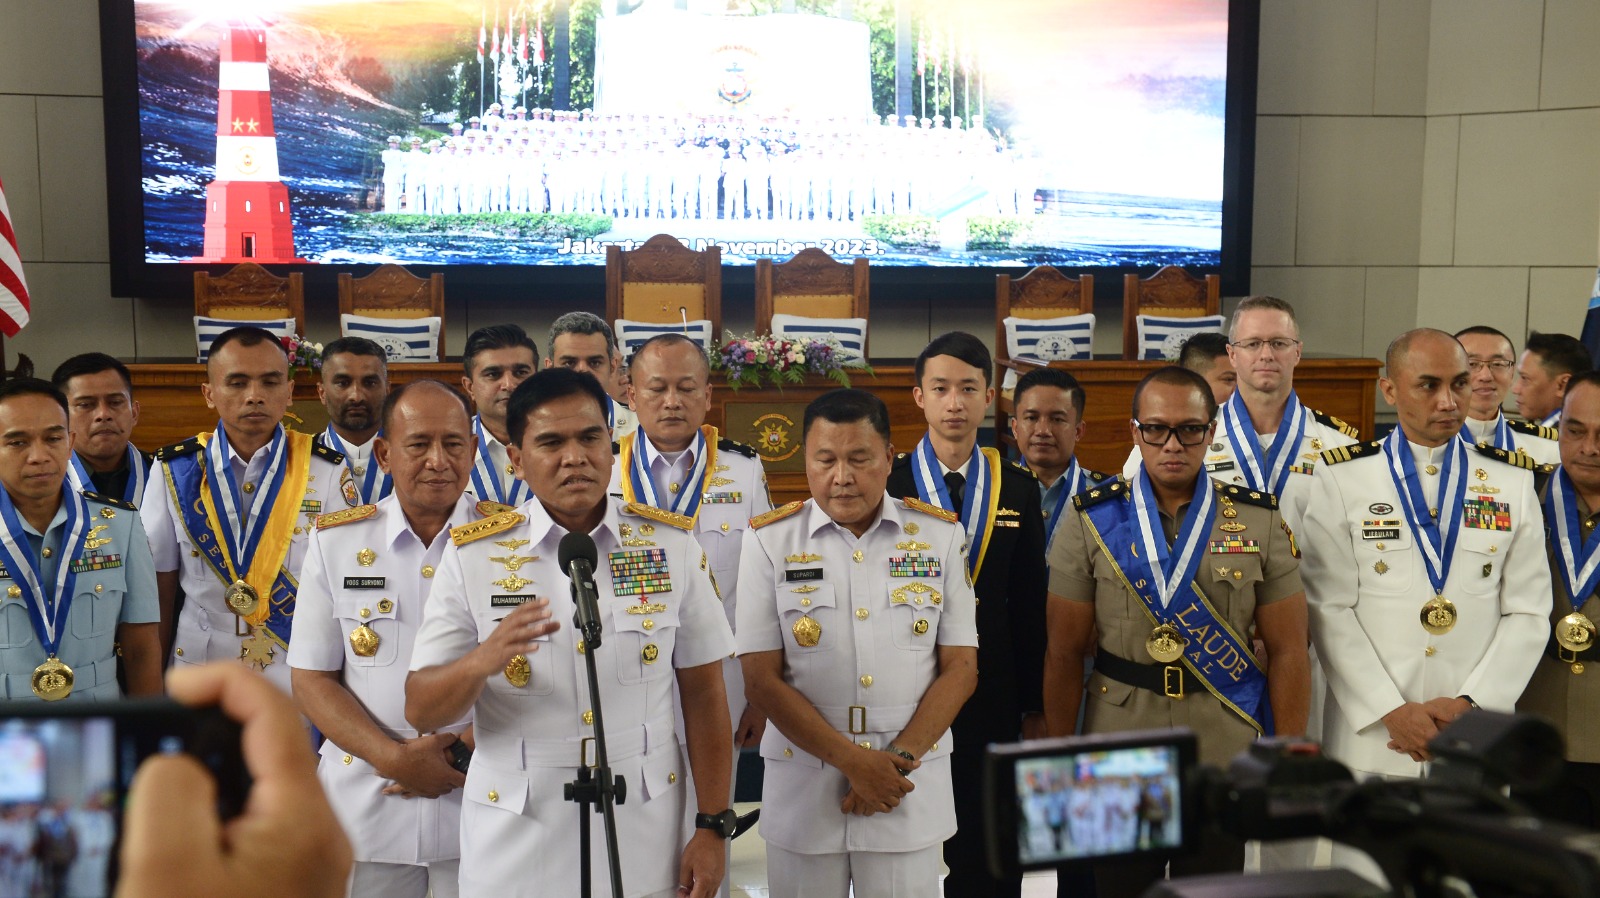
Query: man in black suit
point(999, 507)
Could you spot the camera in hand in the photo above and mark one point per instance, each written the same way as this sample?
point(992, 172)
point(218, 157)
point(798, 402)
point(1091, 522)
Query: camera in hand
point(1059, 803)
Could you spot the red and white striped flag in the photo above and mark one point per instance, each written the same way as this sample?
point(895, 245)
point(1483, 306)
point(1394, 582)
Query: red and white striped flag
point(483, 36)
point(13, 289)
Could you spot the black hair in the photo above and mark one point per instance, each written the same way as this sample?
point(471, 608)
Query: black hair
point(1177, 376)
point(583, 324)
point(247, 335)
point(33, 386)
point(959, 345)
point(386, 411)
point(89, 363)
point(847, 406)
point(495, 336)
point(547, 386)
point(667, 339)
point(1051, 377)
point(355, 346)
point(1560, 353)
point(1202, 349)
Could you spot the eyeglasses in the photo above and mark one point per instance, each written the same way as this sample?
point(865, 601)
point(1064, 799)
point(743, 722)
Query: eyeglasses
point(1254, 346)
point(1498, 366)
point(1158, 434)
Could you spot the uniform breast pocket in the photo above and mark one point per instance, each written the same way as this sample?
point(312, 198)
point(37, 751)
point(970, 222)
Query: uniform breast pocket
point(807, 613)
point(1239, 573)
point(97, 603)
point(644, 640)
point(914, 608)
point(1478, 563)
point(371, 633)
point(1385, 558)
point(540, 666)
point(15, 627)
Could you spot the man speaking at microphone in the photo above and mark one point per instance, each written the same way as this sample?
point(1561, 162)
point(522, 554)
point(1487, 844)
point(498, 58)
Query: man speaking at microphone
point(497, 639)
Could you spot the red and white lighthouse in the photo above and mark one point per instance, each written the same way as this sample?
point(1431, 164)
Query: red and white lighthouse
point(247, 206)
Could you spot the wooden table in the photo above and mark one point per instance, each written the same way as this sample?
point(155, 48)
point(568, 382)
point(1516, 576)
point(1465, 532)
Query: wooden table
point(171, 408)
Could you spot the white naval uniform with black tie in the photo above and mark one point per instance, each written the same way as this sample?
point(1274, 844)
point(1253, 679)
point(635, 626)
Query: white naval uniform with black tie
point(375, 572)
point(866, 673)
point(518, 836)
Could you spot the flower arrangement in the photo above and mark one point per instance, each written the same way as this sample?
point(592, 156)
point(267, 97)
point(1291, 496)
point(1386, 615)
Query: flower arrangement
point(765, 359)
point(304, 355)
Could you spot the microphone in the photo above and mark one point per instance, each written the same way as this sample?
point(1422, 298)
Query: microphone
point(683, 312)
point(577, 556)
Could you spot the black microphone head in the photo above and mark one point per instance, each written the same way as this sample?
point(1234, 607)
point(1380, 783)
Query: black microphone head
point(574, 546)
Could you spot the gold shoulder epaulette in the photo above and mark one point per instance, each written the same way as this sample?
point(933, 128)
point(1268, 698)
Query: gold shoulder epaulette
point(332, 456)
point(1345, 453)
point(1099, 494)
point(1248, 496)
point(1514, 458)
point(1546, 469)
point(1534, 430)
point(486, 507)
point(107, 500)
point(916, 504)
point(1337, 424)
point(680, 521)
point(489, 526)
point(777, 514)
point(187, 447)
point(345, 516)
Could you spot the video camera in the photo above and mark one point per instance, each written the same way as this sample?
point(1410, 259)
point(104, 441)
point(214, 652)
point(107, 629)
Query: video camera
point(1056, 803)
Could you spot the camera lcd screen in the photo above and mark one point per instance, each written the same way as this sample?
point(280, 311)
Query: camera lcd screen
point(1098, 803)
point(60, 780)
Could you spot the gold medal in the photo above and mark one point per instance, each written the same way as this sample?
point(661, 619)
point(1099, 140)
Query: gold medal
point(364, 641)
point(807, 632)
point(257, 650)
point(1438, 615)
point(1164, 644)
point(241, 598)
point(52, 680)
point(1575, 633)
point(519, 671)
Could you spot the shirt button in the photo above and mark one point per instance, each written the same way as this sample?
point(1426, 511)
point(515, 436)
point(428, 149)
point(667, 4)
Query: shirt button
point(249, 488)
point(788, 752)
point(861, 613)
point(427, 572)
point(805, 603)
point(366, 612)
point(299, 530)
point(648, 624)
point(1429, 651)
point(194, 553)
point(671, 778)
point(178, 652)
point(859, 556)
point(588, 718)
point(99, 587)
point(934, 747)
point(866, 680)
point(724, 527)
point(493, 795)
point(48, 552)
point(864, 744)
point(347, 760)
point(581, 647)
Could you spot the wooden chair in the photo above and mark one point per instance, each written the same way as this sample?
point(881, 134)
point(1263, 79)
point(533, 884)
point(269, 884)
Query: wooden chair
point(652, 283)
point(1170, 292)
point(1043, 292)
point(393, 292)
point(812, 284)
point(248, 292)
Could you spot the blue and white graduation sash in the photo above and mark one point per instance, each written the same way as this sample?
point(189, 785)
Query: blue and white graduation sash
point(1267, 472)
point(638, 486)
point(1071, 485)
point(980, 502)
point(1162, 577)
point(138, 474)
point(1499, 436)
point(371, 486)
point(48, 605)
point(1435, 537)
point(1579, 557)
point(486, 482)
point(1554, 420)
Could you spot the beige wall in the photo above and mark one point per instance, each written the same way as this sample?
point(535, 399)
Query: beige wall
point(1417, 163)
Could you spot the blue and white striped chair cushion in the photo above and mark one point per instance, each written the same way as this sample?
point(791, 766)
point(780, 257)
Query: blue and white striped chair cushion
point(849, 333)
point(402, 339)
point(1162, 338)
point(207, 330)
point(632, 334)
point(1069, 338)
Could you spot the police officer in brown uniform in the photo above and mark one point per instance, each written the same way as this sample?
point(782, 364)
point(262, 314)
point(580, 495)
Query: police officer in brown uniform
point(1566, 685)
point(1172, 569)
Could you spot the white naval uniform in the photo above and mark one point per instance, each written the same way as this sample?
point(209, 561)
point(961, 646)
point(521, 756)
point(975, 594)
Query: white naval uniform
point(876, 651)
point(206, 629)
point(1366, 589)
point(396, 840)
point(518, 835)
point(1534, 440)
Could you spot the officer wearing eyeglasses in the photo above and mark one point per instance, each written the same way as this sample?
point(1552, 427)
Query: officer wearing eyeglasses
point(1172, 569)
point(1491, 365)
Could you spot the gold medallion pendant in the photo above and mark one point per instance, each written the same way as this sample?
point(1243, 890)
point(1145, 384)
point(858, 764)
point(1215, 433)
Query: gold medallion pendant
point(807, 632)
point(364, 641)
point(1575, 632)
point(1438, 615)
point(519, 671)
point(52, 680)
point(1164, 644)
point(241, 598)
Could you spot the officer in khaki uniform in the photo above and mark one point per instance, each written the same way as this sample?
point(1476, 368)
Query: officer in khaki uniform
point(1565, 686)
point(1172, 570)
point(496, 639)
point(858, 635)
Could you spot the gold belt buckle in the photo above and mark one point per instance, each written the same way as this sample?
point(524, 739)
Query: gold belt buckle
point(858, 720)
point(1172, 681)
point(583, 752)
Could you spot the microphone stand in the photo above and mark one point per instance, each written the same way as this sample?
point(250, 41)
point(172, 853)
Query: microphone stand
point(595, 784)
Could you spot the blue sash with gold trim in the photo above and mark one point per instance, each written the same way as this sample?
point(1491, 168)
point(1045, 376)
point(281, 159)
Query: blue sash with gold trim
point(1213, 652)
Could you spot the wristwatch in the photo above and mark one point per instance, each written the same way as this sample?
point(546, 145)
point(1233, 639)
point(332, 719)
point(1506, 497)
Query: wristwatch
point(723, 824)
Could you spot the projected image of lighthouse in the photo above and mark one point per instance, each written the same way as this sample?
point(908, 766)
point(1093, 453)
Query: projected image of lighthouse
point(247, 205)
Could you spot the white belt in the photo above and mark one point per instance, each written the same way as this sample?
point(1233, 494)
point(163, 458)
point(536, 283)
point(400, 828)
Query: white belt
point(856, 720)
point(224, 621)
point(621, 743)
